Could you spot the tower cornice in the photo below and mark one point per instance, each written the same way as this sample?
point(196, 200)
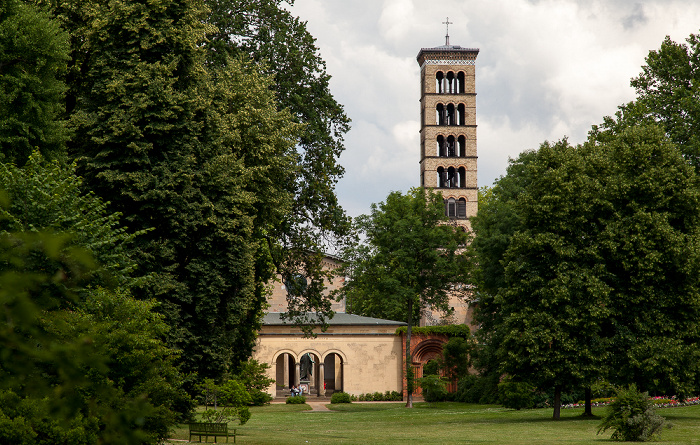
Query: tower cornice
point(447, 55)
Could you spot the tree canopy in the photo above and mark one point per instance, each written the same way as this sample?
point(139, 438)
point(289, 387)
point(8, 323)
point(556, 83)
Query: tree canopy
point(408, 258)
point(599, 256)
point(34, 52)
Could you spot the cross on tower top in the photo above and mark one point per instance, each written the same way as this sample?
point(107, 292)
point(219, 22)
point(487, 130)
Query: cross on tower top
point(447, 31)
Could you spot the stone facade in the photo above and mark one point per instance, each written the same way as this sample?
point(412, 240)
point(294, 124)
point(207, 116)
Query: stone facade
point(356, 355)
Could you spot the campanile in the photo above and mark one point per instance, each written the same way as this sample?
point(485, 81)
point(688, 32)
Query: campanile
point(448, 127)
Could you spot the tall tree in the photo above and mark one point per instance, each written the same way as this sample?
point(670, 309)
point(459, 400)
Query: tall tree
point(409, 258)
point(200, 156)
point(544, 313)
point(74, 353)
point(607, 231)
point(34, 52)
point(269, 34)
point(667, 90)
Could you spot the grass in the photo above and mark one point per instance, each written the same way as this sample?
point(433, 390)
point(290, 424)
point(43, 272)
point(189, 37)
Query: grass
point(439, 423)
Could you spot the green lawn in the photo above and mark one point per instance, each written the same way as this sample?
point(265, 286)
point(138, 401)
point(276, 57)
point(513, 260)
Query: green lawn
point(391, 423)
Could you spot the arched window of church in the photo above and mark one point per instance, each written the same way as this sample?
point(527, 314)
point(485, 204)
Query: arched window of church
point(441, 177)
point(452, 178)
point(450, 118)
point(451, 83)
point(440, 114)
point(441, 149)
point(462, 172)
point(462, 208)
point(462, 142)
point(460, 82)
point(439, 82)
point(451, 208)
point(451, 149)
point(461, 111)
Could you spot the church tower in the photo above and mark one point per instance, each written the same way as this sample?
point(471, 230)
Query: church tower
point(448, 127)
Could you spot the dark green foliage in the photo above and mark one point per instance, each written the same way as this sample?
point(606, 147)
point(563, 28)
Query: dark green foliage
point(516, 395)
point(544, 398)
point(599, 277)
point(456, 357)
point(33, 56)
point(450, 330)
point(388, 396)
point(57, 361)
point(279, 43)
point(227, 402)
point(47, 196)
point(99, 349)
point(632, 417)
point(197, 153)
point(667, 91)
point(340, 397)
point(296, 400)
point(409, 259)
point(434, 389)
point(432, 367)
point(204, 152)
point(253, 376)
point(477, 389)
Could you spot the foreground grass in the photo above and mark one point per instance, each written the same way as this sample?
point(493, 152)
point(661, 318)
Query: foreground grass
point(440, 423)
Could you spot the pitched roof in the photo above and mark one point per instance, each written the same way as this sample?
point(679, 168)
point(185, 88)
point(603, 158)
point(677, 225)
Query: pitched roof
point(339, 319)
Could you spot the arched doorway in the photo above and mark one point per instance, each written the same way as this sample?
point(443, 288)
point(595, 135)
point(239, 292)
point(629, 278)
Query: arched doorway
point(333, 373)
point(427, 350)
point(310, 373)
point(285, 374)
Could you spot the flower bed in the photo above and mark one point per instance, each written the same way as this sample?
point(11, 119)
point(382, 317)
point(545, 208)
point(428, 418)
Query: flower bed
point(659, 402)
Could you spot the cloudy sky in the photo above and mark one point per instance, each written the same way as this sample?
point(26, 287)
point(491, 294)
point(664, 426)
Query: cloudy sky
point(546, 69)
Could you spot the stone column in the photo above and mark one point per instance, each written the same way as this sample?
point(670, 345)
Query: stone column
point(285, 367)
point(296, 374)
point(321, 380)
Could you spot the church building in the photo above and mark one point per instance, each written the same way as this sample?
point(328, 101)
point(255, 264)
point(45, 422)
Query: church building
point(360, 355)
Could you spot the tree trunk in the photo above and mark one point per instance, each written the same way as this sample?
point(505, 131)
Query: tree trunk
point(557, 402)
point(409, 360)
point(588, 410)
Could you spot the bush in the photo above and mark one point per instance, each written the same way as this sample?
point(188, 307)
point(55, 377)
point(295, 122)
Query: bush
point(632, 417)
point(433, 389)
point(477, 389)
point(516, 395)
point(340, 397)
point(253, 375)
point(296, 400)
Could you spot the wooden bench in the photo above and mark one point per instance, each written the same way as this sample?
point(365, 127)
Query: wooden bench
point(207, 429)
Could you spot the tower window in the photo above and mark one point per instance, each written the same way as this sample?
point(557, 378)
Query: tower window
point(462, 208)
point(451, 208)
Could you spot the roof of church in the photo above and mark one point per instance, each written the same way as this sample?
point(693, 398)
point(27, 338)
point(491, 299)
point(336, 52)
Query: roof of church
point(339, 319)
point(449, 48)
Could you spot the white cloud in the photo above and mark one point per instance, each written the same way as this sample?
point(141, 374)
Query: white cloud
point(546, 69)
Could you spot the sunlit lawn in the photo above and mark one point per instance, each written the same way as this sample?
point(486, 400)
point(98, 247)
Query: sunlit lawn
point(392, 423)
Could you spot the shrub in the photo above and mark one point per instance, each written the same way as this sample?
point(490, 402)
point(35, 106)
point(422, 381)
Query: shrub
point(432, 367)
point(340, 397)
point(253, 375)
point(632, 417)
point(377, 397)
point(477, 389)
point(516, 395)
point(433, 389)
point(296, 400)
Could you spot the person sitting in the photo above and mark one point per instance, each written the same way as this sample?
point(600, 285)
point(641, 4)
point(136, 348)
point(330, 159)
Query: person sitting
point(295, 391)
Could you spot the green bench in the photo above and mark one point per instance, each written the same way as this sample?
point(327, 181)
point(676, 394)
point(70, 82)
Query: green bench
point(207, 429)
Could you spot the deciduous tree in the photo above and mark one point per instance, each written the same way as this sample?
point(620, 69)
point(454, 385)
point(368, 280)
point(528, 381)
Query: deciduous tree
point(603, 257)
point(409, 258)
